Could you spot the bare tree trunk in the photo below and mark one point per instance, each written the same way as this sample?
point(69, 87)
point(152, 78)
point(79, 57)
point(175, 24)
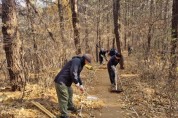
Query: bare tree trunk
point(60, 11)
point(108, 29)
point(174, 41)
point(173, 60)
point(113, 42)
point(12, 44)
point(116, 14)
point(125, 25)
point(166, 26)
point(98, 31)
point(75, 23)
point(149, 36)
point(62, 29)
point(87, 49)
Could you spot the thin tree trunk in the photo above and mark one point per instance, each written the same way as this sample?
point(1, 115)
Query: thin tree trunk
point(173, 61)
point(174, 40)
point(62, 29)
point(12, 44)
point(166, 26)
point(113, 42)
point(60, 11)
point(75, 23)
point(116, 14)
point(98, 31)
point(149, 37)
point(125, 25)
point(87, 49)
point(108, 38)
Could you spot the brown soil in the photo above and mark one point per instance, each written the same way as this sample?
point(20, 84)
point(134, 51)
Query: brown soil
point(114, 105)
point(113, 102)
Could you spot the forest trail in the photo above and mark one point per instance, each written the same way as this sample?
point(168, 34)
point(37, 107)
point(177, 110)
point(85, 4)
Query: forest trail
point(114, 103)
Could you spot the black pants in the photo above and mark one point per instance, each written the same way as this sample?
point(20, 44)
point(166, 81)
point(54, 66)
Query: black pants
point(111, 76)
point(101, 60)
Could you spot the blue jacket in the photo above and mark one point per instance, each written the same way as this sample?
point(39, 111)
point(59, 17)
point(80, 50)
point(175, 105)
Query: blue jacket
point(71, 72)
point(113, 61)
point(112, 52)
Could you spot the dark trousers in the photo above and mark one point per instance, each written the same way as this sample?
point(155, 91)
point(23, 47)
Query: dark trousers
point(101, 60)
point(65, 95)
point(111, 76)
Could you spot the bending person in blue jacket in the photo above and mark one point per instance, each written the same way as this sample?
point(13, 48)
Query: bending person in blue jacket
point(69, 74)
point(114, 60)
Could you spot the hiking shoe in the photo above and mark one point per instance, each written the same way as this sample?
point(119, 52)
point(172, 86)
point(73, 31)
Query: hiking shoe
point(72, 109)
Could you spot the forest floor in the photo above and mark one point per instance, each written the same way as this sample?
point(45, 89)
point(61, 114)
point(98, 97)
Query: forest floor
point(131, 103)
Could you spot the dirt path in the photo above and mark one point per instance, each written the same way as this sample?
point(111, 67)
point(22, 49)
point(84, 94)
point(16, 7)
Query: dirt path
point(113, 102)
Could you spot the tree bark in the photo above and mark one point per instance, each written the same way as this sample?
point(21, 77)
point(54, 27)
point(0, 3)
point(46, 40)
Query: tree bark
point(98, 39)
point(173, 61)
point(87, 49)
point(125, 24)
point(60, 11)
point(116, 14)
point(174, 40)
point(108, 29)
point(149, 36)
point(12, 44)
point(75, 23)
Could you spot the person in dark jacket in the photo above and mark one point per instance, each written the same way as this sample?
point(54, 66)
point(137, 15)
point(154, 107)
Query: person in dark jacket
point(112, 52)
point(114, 60)
point(69, 74)
point(102, 55)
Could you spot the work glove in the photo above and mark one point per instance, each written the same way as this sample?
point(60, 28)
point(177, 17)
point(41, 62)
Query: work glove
point(80, 87)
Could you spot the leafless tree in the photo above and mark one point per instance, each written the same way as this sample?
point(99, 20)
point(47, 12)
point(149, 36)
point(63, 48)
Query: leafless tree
point(75, 23)
point(12, 44)
point(173, 60)
point(116, 15)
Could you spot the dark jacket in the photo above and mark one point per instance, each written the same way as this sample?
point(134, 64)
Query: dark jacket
point(102, 54)
point(112, 52)
point(113, 61)
point(71, 72)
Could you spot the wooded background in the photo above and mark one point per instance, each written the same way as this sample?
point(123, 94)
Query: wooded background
point(39, 36)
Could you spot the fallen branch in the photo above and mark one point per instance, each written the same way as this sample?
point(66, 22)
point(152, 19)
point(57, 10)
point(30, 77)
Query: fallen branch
point(42, 108)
